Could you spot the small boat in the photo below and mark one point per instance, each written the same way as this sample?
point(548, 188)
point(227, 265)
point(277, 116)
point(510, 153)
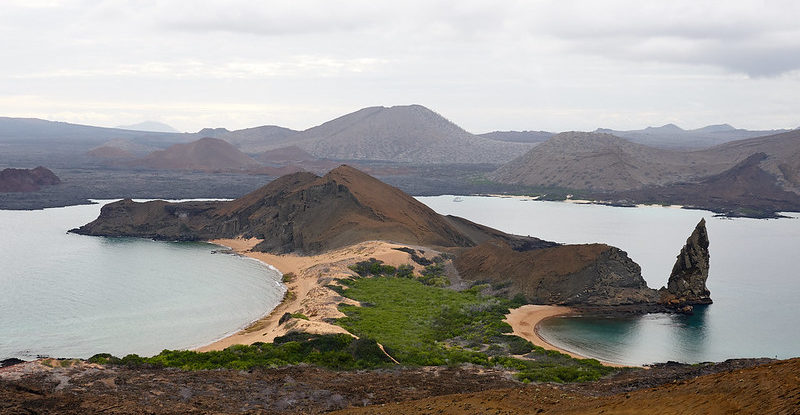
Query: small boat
point(458, 199)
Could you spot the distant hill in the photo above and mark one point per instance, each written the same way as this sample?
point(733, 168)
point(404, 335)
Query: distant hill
point(671, 136)
point(206, 154)
point(290, 154)
point(596, 161)
point(259, 139)
point(152, 126)
point(26, 180)
point(782, 151)
point(33, 130)
point(743, 190)
point(120, 149)
point(716, 178)
point(519, 136)
point(410, 134)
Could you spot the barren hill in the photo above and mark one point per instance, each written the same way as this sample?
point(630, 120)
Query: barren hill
point(26, 180)
point(726, 178)
point(207, 154)
point(595, 161)
point(782, 151)
point(411, 134)
point(121, 149)
point(671, 136)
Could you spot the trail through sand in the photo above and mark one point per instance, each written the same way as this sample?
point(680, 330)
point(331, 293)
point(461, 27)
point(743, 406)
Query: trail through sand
point(307, 292)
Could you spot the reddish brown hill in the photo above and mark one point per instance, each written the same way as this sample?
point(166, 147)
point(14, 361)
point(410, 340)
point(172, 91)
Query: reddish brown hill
point(309, 214)
point(299, 212)
point(26, 180)
point(207, 154)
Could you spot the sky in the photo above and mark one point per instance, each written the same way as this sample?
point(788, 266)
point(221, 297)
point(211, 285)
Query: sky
point(485, 65)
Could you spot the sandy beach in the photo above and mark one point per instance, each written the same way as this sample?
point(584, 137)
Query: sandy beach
point(307, 293)
point(525, 320)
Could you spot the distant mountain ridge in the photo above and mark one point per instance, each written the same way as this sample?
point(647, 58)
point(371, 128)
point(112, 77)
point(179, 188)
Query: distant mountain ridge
point(34, 130)
point(151, 126)
point(670, 136)
point(519, 136)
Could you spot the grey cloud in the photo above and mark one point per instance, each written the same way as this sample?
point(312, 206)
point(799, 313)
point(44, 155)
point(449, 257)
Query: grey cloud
point(758, 38)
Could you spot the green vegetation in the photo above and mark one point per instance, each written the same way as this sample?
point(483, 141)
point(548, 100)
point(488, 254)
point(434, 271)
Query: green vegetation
point(288, 277)
point(432, 275)
point(417, 322)
point(422, 325)
point(334, 351)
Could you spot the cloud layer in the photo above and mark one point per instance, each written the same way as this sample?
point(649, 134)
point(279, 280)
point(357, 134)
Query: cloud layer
point(487, 65)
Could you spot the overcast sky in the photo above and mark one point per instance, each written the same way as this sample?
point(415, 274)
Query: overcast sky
point(485, 65)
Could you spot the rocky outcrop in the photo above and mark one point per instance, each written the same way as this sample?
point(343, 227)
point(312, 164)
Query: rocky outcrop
point(591, 274)
point(687, 282)
point(27, 180)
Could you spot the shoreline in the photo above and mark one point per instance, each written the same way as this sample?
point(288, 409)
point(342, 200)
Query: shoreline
point(525, 322)
point(306, 294)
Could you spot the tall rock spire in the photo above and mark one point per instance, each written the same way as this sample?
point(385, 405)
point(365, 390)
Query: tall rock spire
point(687, 282)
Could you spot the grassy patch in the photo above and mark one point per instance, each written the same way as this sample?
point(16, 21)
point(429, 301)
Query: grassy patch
point(299, 315)
point(335, 351)
point(423, 325)
point(288, 277)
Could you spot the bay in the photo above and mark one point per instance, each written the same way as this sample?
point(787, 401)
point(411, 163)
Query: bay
point(754, 278)
point(67, 295)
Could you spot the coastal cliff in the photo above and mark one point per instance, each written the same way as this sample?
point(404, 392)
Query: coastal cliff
point(591, 274)
point(306, 214)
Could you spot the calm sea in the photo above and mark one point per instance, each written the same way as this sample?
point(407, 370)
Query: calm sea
point(754, 278)
point(66, 295)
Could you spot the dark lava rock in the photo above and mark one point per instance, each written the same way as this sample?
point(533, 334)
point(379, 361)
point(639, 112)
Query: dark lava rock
point(10, 362)
point(687, 282)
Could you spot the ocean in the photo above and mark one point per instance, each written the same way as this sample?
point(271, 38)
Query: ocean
point(66, 295)
point(754, 278)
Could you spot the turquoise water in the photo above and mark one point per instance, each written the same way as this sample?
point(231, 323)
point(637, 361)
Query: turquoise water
point(67, 295)
point(754, 278)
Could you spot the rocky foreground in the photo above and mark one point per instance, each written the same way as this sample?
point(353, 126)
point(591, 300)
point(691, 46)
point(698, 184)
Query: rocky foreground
point(748, 386)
